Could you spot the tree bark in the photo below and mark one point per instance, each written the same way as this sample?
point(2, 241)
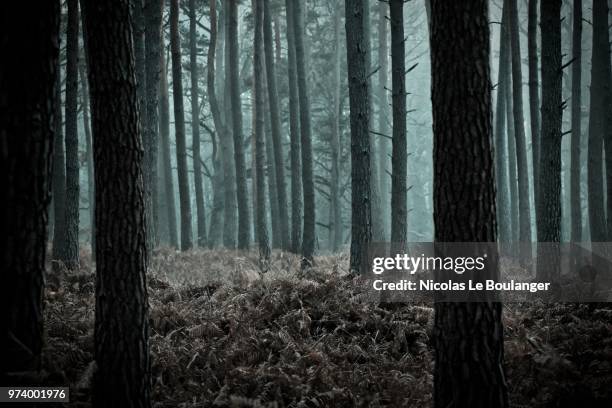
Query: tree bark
point(71, 254)
point(275, 125)
point(294, 132)
point(89, 152)
point(121, 346)
point(383, 117)
point(262, 229)
point(195, 127)
point(244, 225)
point(399, 212)
point(575, 194)
point(179, 123)
point(519, 128)
point(534, 90)
point(597, 123)
point(361, 211)
point(153, 32)
point(27, 123)
point(164, 131)
point(308, 235)
point(468, 337)
point(549, 186)
point(511, 143)
point(59, 181)
point(501, 144)
point(335, 229)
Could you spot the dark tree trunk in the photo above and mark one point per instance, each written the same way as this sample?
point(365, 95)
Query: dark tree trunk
point(383, 117)
point(179, 121)
point(607, 104)
point(153, 31)
point(575, 195)
point(27, 124)
point(511, 143)
point(399, 212)
point(501, 144)
point(468, 337)
point(294, 132)
point(534, 90)
point(195, 127)
point(89, 153)
point(216, 218)
point(71, 254)
point(164, 132)
point(361, 211)
point(262, 229)
point(549, 185)
point(308, 235)
point(275, 122)
point(244, 225)
point(519, 127)
point(335, 230)
point(597, 123)
point(270, 166)
point(121, 332)
point(59, 180)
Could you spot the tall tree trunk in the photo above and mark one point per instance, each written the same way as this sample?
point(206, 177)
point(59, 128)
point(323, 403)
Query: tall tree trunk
point(230, 221)
point(597, 122)
point(179, 124)
point(308, 236)
point(383, 117)
point(89, 153)
point(335, 229)
point(121, 348)
point(244, 226)
point(575, 195)
point(519, 127)
point(59, 180)
point(549, 186)
point(399, 212)
point(71, 255)
point(153, 32)
point(607, 136)
point(294, 132)
point(501, 144)
point(361, 224)
point(511, 143)
point(195, 127)
point(216, 217)
point(534, 91)
point(164, 132)
point(275, 124)
point(262, 229)
point(468, 337)
point(27, 123)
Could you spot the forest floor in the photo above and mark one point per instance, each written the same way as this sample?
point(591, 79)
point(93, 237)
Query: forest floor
point(223, 336)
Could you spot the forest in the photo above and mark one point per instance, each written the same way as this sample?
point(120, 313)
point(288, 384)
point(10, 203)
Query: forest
point(194, 191)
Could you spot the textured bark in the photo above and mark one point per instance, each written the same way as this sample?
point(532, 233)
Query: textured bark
point(597, 123)
point(511, 143)
point(153, 32)
point(361, 211)
point(308, 233)
point(275, 125)
point(195, 127)
point(27, 125)
point(164, 133)
point(89, 153)
point(121, 346)
point(244, 225)
point(59, 180)
point(262, 229)
point(575, 195)
point(179, 123)
point(519, 127)
point(501, 144)
point(399, 212)
point(71, 254)
point(335, 230)
point(294, 132)
point(468, 337)
point(383, 117)
point(534, 90)
point(215, 234)
point(270, 170)
point(549, 186)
